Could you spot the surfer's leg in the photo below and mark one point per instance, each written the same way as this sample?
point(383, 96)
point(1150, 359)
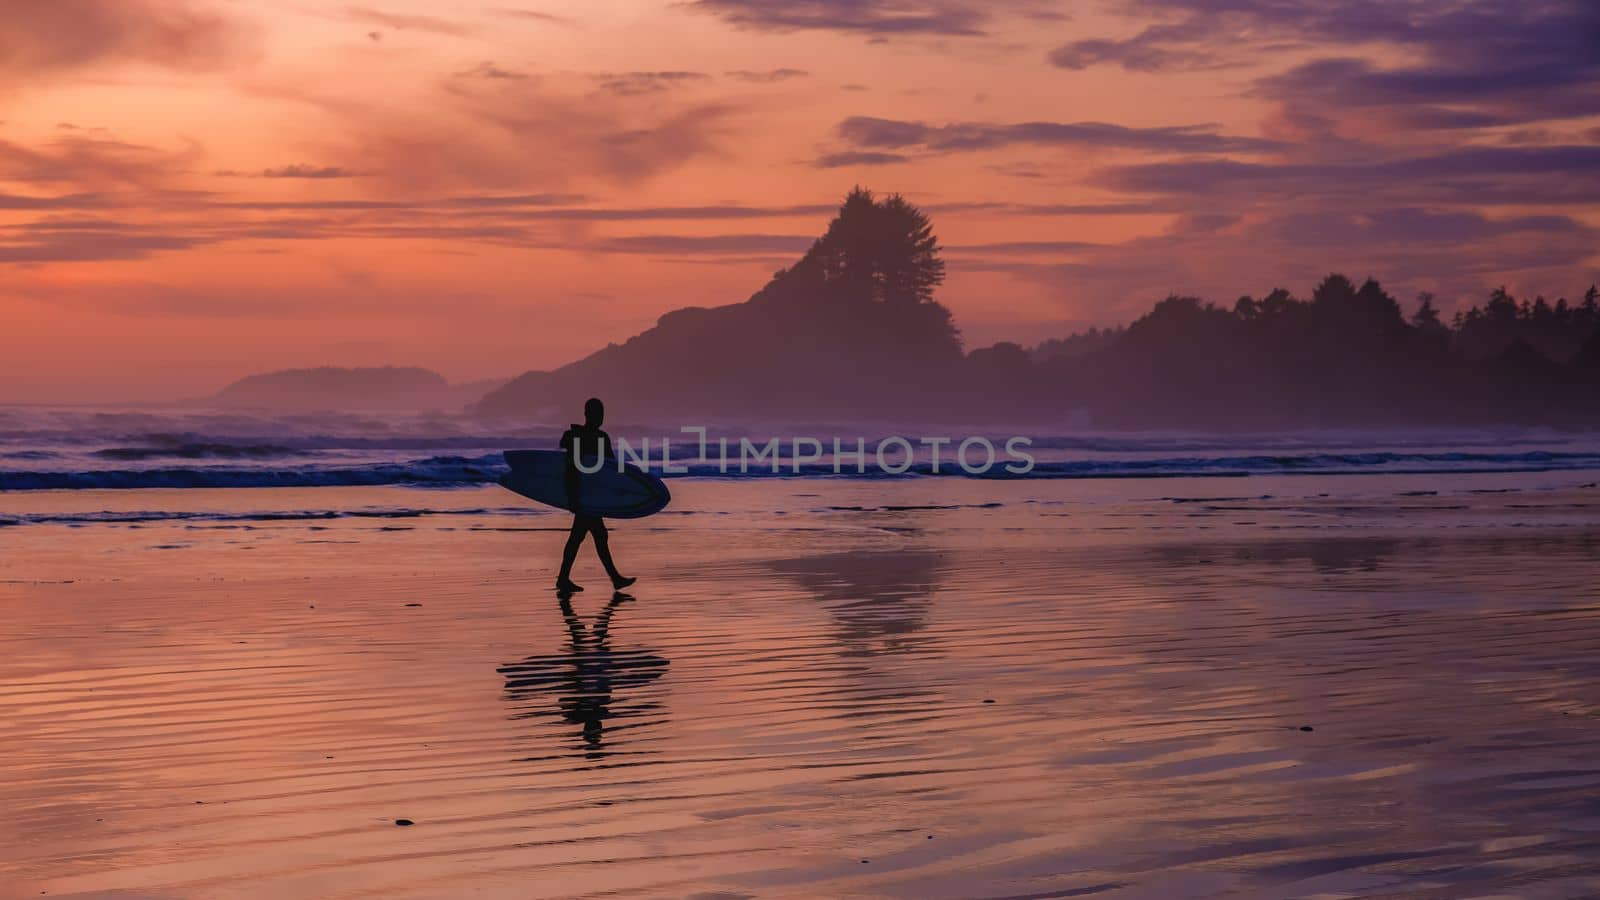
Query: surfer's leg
point(569, 554)
point(602, 546)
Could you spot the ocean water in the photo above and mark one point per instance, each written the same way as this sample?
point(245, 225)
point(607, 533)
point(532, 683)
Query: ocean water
point(57, 449)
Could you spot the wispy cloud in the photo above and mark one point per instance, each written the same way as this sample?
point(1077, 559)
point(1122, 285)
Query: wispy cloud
point(894, 134)
point(516, 135)
point(489, 70)
point(715, 244)
point(1445, 65)
point(846, 158)
point(534, 15)
point(86, 240)
point(64, 201)
point(43, 39)
point(766, 76)
point(408, 22)
point(92, 162)
point(295, 170)
point(633, 84)
point(1468, 175)
point(1024, 248)
point(877, 18)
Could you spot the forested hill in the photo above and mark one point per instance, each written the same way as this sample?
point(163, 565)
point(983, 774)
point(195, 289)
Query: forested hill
point(853, 331)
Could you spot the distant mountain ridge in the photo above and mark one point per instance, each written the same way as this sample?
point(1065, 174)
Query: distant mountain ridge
point(409, 388)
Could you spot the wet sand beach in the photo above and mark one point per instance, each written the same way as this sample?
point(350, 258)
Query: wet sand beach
point(1275, 687)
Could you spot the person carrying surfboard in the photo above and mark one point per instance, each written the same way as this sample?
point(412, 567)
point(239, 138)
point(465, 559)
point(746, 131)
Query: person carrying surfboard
point(589, 443)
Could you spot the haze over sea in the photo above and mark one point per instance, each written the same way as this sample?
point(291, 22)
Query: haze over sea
point(72, 448)
point(1293, 665)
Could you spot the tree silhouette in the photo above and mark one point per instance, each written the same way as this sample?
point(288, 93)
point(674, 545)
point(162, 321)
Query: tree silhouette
point(884, 251)
point(1426, 317)
point(853, 329)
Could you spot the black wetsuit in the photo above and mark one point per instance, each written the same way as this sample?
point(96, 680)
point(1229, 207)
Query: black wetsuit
point(591, 445)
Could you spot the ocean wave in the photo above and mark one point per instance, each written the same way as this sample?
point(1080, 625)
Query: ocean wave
point(1388, 462)
point(438, 471)
point(140, 517)
point(462, 471)
point(1239, 465)
point(198, 451)
point(1306, 442)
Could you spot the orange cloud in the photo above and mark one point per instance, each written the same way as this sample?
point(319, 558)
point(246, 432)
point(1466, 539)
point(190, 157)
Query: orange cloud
point(50, 38)
point(93, 163)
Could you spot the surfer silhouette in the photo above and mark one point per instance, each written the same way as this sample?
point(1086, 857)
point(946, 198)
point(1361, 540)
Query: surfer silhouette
point(591, 444)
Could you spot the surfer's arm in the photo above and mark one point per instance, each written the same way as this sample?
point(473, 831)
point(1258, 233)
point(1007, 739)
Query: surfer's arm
point(570, 445)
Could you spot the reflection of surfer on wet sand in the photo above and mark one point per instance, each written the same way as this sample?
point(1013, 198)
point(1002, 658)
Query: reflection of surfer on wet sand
point(586, 677)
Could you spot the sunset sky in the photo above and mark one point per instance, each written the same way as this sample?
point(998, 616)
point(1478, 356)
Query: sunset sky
point(195, 190)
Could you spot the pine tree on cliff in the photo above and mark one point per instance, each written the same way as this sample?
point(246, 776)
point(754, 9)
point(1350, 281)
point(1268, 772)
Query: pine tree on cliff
point(878, 250)
point(884, 251)
point(872, 275)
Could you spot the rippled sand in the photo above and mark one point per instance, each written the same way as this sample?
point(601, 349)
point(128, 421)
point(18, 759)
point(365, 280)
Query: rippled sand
point(1254, 687)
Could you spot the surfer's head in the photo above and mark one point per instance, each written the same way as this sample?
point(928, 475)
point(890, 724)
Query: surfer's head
point(594, 412)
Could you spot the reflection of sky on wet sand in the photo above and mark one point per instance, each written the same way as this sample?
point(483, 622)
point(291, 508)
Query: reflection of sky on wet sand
point(825, 704)
point(878, 599)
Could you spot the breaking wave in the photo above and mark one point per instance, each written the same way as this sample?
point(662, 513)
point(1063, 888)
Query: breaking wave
point(469, 471)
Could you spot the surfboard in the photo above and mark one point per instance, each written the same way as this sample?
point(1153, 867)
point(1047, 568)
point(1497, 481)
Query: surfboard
point(629, 494)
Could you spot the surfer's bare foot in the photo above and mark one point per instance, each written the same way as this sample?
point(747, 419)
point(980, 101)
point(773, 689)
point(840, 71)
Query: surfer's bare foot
point(621, 581)
point(566, 585)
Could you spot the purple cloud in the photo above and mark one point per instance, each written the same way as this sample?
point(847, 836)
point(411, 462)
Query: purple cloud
point(65, 201)
point(85, 240)
point(1024, 248)
point(633, 84)
point(893, 134)
point(75, 159)
point(1472, 175)
point(704, 244)
point(875, 18)
point(766, 76)
point(301, 170)
point(1465, 64)
point(858, 158)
